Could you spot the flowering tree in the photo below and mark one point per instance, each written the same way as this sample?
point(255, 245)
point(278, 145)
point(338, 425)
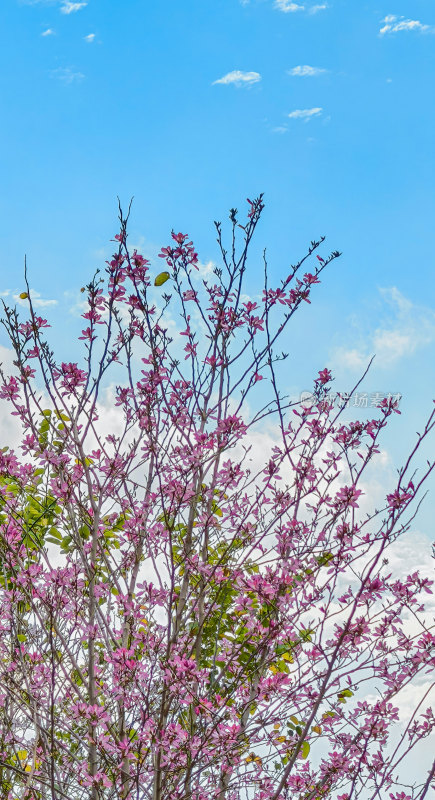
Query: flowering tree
point(174, 624)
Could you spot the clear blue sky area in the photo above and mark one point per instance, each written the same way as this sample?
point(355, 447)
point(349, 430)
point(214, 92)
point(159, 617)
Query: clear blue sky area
point(193, 106)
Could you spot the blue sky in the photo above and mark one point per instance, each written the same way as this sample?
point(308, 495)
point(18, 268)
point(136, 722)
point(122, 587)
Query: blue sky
point(193, 106)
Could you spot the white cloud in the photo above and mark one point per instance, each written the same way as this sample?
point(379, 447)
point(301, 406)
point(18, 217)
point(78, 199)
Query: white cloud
point(89, 38)
point(48, 32)
point(393, 24)
point(305, 70)
point(280, 129)
point(205, 269)
point(68, 7)
point(305, 113)
point(239, 78)
point(353, 358)
point(67, 75)
point(287, 6)
point(410, 328)
point(37, 300)
point(78, 303)
point(390, 346)
point(319, 7)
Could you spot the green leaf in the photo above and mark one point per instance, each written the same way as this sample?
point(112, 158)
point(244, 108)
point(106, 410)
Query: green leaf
point(62, 416)
point(324, 559)
point(161, 278)
point(76, 677)
point(343, 694)
point(66, 541)
point(305, 749)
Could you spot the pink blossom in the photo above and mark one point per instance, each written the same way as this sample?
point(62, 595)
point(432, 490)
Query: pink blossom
point(347, 496)
point(325, 376)
point(398, 498)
